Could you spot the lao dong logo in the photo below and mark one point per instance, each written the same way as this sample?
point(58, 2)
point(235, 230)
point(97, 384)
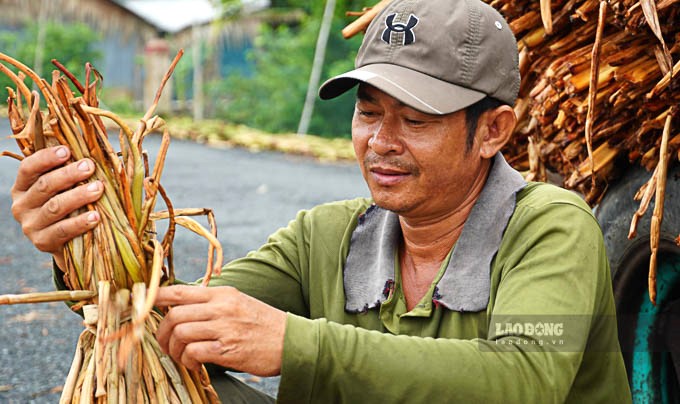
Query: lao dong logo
point(537, 329)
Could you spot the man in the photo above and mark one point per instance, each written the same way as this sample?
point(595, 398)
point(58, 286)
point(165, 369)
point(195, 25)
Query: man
point(457, 282)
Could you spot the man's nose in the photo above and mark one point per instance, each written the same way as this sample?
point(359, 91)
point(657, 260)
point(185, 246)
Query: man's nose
point(386, 140)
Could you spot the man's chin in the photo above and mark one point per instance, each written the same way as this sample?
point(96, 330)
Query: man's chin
point(397, 207)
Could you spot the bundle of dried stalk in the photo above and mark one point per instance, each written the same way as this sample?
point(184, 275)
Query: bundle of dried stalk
point(114, 270)
point(596, 86)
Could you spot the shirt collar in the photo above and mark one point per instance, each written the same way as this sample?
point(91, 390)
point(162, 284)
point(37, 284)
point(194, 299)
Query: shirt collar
point(369, 268)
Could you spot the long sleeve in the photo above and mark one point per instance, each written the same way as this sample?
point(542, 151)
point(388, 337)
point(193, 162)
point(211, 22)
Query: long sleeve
point(272, 273)
point(284, 271)
point(328, 362)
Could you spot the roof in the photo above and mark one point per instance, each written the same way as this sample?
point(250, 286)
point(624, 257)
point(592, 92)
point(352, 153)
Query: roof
point(172, 16)
point(103, 15)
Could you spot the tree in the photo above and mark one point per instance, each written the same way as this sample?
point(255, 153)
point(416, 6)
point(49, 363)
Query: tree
point(71, 44)
point(272, 97)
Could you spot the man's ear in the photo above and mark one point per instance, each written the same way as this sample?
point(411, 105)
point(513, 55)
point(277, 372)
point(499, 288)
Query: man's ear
point(496, 127)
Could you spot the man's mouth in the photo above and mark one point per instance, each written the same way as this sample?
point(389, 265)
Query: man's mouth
point(387, 176)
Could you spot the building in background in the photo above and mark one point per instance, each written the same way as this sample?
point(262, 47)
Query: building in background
point(140, 38)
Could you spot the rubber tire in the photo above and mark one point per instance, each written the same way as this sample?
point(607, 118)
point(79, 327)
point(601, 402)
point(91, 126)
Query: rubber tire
point(615, 211)
point(629, 259)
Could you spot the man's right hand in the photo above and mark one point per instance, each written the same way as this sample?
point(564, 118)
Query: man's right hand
point(44, 196)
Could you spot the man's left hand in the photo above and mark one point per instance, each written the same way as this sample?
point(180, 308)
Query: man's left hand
point(223, 326)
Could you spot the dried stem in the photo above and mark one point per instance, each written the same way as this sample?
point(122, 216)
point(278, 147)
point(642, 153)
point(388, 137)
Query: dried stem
point(592, 90)
point(657, 217)
point(45, 297)
point(70, 75)
point(360, 24)
point(165, 79)
point(645, 200)
point(546, 16)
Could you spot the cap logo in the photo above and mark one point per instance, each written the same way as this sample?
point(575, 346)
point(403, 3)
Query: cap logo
point(409, 36)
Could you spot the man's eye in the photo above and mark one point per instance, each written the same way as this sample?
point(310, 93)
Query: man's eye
point(414, 122)
point(366, 113)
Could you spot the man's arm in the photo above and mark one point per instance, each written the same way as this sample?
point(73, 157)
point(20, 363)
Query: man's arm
point(239, 321)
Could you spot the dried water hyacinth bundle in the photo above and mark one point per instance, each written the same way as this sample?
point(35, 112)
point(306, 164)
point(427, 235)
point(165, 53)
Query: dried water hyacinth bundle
point(115, 270)
point(599, 80)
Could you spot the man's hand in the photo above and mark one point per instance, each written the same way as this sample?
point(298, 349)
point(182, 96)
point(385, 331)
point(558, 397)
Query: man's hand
point(43, 198)
point(223, 326)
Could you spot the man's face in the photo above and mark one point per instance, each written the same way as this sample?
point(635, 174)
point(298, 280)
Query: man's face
point(415, 164)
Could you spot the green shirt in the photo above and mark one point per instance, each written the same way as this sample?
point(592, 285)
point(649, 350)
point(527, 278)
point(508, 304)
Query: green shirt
point(547, 334)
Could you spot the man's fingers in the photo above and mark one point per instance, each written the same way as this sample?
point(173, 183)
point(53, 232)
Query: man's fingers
point(42, 161)
point(60, 179)
point(182, 294)
point(45, 192)
point(47, 185)
point(175, 348)
point(53, 237)
point(199, 352)
point(188, 306)
point(66, 202)
point(46, 227)
point(188, 333)
point(178, 315)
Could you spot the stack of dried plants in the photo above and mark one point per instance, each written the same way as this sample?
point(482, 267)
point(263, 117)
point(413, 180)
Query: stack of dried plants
point(596, 85)
point(599, 93)
point(115, 270)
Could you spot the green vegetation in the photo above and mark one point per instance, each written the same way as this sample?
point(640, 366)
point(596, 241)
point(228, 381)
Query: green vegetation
point(272, 97)
point(72, 44)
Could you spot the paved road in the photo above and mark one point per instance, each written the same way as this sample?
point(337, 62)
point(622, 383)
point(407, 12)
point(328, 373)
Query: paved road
point(251, 194)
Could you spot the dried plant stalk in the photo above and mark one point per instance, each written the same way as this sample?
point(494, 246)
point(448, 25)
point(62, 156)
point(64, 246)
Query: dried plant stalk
point(592, 89)
point(657, 217)
point(364, 19)
point(45, 297)
point(117, 358)
point(645, 200)
point(546, 16)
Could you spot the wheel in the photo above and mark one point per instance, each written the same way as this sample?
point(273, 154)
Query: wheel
point(649, 335)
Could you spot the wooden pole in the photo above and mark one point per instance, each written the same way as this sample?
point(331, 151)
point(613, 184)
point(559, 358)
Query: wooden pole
point(197, 43)
point(315, 76)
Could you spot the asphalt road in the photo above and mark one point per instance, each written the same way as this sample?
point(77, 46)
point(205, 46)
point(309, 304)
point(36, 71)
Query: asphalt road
point(251, 194)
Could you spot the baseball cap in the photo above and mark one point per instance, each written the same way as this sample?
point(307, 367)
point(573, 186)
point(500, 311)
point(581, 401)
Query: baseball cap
point(436, 56)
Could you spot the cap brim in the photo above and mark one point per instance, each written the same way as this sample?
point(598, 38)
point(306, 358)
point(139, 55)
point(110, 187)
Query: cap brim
point(417, 90)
